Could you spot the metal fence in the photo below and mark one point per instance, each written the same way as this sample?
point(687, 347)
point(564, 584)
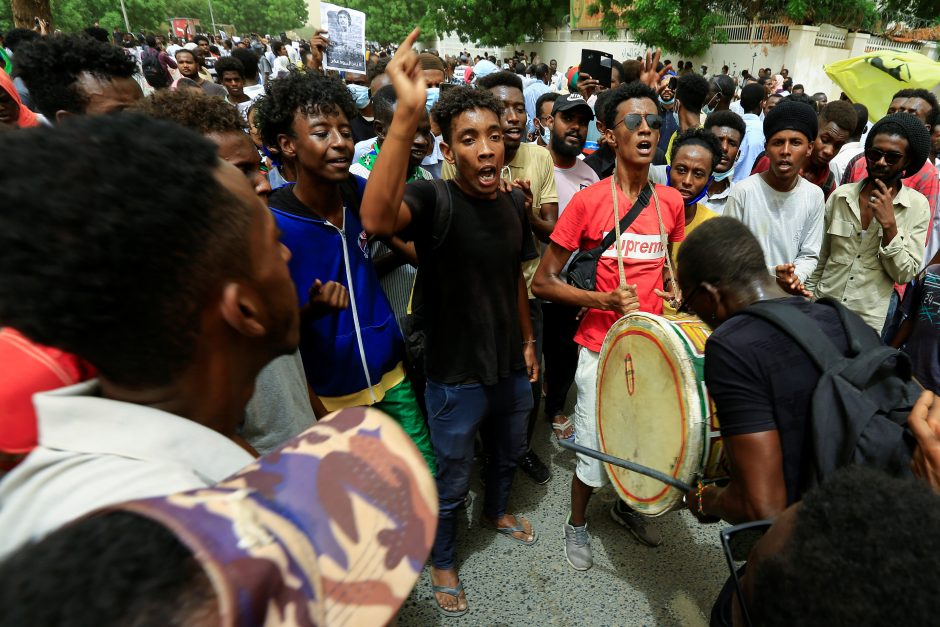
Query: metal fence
point(739, 29)
point(882, 43)
point(830, 36)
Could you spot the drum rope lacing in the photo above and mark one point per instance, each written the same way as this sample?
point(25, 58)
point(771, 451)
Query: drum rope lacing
point(662, 236)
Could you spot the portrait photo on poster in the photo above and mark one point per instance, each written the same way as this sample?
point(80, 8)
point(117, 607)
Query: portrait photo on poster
point(346, 29)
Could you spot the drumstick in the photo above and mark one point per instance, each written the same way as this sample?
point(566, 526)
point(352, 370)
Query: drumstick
point(640, 468)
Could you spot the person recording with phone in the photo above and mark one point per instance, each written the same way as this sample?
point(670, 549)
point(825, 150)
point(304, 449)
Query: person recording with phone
point(876, 228)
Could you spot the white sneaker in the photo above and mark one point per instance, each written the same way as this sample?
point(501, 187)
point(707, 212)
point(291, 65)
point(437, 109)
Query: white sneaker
point(578, 547)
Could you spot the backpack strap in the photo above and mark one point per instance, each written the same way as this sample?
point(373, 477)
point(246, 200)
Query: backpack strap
point(444, 200)
point(857, 333)
point(801, 328)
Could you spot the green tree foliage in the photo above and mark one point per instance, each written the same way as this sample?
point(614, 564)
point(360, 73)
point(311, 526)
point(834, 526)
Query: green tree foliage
point(389, 21)
point(679, 26)
point(499, 22)
point(267, 16)
point(689, 28)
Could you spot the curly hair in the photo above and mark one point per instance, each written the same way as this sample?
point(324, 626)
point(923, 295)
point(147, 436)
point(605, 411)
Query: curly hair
point(622, 94)
point(193, 109)
point(698, 137)
point(249, 61)
point(726, 118)
point(108, 570)
point(925, 95)
point(455, 101)
point(841, 113)
point(122, 288)
point(51, 67)
point(229, 64)
point(691, 91)
point(862, 547)
point(306, 93)
point(503, 78)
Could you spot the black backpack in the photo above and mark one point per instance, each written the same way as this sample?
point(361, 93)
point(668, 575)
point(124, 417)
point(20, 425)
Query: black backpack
point(156, 76)
point(860, 405)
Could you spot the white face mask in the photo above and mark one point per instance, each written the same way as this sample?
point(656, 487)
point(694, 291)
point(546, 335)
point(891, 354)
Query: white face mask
point(360, 94)
point(546, 135)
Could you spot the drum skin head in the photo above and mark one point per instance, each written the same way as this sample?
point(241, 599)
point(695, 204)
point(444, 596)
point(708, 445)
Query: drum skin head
point(650, 408)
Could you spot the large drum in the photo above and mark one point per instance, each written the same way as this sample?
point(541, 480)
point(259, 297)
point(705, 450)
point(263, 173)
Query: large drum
point(653, 408)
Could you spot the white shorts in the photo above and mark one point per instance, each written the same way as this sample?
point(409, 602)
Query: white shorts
point(589, 470)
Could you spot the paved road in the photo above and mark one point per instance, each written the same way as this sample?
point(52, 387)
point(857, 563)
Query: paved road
point(630, 584)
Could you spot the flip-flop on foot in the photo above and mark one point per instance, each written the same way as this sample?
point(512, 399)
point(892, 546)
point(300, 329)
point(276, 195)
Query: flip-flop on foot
point(454, 592)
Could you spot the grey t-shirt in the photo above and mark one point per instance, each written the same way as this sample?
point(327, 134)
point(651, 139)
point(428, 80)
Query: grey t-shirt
point(788, 225)
point(280, 407)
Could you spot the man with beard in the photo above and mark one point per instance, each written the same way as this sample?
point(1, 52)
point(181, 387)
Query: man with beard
point(188, 63)
point(568, 124)
point(876, 228)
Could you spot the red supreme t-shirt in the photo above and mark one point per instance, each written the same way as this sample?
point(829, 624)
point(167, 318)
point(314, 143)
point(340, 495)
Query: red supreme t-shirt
point(588, 218)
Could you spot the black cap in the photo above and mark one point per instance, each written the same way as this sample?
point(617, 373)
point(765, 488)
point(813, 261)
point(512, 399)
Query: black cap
point(572, 101)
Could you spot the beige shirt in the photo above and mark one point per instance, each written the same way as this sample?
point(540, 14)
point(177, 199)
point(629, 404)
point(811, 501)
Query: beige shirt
point(534, 164)
point(95, 452)
point(853, 265)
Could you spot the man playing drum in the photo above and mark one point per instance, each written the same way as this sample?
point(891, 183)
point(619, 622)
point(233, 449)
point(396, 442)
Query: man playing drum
point(761, 381)
point(633, 124)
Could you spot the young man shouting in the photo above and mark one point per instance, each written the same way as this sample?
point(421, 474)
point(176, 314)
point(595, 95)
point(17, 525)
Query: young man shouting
point(632, 123)
point(480, 353)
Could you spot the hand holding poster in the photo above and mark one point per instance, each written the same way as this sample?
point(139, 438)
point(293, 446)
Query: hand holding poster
point(346, 29)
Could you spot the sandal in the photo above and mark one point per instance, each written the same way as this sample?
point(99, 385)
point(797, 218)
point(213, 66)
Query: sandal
point(558, 428)
point(454, 592)
point(517, 528)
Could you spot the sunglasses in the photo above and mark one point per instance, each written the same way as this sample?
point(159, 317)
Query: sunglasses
point(633, 120)
point(891, 158)
point(737, 542)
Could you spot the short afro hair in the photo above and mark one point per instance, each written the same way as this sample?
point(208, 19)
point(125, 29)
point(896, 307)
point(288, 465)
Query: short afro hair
point(841, 113)
point(622, 94)
point(96, 32)
point(303, 93)
point(698, 137)
point(548, 96)
point(17, 36)
point(692, 90)
point(728, 119)
point(51, 67)
point(807, 100)
point(923, 94)
point(726, 253)
point(455, 101)
point(600, 105)
point(123, 289)
point(861, 542)
point(200, 61)
point(199, 38)
point(195, 110)
point(751, 97)
point(378, 68)
point(383, 104)
point(861, 112)
point(249, 61)
point(229, 64)
point(500, 79)
point(110, 569)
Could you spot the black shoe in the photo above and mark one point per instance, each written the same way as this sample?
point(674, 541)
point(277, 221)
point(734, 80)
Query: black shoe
point(533, 466)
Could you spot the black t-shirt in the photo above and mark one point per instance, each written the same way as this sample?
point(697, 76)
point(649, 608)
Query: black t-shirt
point(362, 129)
point(761, 381)
point(470, 283)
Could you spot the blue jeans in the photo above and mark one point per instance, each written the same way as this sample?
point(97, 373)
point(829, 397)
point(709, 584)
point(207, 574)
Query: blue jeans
point(455, 414)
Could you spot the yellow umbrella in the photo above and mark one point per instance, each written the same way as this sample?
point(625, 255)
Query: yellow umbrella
point(873, 78)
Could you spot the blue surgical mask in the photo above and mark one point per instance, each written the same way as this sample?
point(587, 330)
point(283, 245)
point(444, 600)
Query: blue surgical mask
point(360, 94)
point(720, 176)
point(707, 110)
point(433, 93)
point(667, 103)
point(546, 136)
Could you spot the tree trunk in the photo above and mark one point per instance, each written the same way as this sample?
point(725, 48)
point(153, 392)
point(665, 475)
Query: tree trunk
point(26, 11)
